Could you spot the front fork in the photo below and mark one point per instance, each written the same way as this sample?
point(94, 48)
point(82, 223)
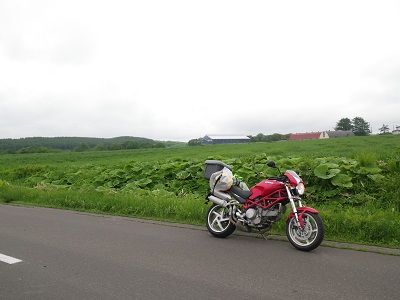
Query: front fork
point(299, 220)
point(298, 212)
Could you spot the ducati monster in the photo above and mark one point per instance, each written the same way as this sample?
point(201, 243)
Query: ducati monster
point(235, 206)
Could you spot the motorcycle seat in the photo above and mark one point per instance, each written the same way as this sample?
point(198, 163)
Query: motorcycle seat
point(239, 194)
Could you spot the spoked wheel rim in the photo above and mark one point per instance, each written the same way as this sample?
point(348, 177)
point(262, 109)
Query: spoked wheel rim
point(304, 237)
point(218, 219)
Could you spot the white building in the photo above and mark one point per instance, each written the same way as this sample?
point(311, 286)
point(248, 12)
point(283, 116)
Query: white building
point(224, 139)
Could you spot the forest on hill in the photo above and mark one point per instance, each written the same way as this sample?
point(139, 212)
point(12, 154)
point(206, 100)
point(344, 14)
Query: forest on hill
point(52, 144)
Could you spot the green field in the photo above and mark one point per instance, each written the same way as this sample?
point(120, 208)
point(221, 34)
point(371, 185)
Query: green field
point(352, 182)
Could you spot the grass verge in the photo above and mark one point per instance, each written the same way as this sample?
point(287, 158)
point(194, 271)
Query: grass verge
point(361, 225)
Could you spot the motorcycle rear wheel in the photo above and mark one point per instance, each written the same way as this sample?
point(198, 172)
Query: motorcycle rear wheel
point(309, 237)
point(218, 223)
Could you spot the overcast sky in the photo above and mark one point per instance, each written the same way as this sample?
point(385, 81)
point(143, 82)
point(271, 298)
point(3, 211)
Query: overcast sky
point(177, 70)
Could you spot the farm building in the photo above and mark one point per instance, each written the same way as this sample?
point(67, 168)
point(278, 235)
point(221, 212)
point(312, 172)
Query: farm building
point(340, 133)
point(308, 136)
point(224, 139)
point(320, 135)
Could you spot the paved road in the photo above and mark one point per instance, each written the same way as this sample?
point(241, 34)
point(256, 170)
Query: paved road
point(71, 255)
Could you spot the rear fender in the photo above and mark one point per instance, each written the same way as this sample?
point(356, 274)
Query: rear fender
point(300, 212)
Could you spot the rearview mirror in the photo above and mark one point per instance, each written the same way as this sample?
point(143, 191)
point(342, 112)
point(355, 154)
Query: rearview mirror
point(271, 164)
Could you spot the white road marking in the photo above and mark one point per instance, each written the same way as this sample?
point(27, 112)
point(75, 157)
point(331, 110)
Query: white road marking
point(8, 259)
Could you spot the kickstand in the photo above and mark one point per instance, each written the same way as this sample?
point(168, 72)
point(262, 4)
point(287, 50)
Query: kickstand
point(265, 237)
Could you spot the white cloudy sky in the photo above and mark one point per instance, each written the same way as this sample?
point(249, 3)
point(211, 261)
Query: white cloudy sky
point(180, 69)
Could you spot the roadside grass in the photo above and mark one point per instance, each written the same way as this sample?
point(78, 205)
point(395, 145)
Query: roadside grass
point(362, 225)
point(155, 205)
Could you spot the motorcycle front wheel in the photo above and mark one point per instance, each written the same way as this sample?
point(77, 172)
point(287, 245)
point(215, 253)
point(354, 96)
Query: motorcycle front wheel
point(309, 237)
point(218, 223)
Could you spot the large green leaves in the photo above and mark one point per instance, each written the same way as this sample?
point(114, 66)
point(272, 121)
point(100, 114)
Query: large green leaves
point(326, 171)
point(333, 172)
point(342, 180)
point(326, 178)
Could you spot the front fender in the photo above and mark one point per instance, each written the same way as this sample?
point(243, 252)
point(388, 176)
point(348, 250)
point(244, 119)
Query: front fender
point(300, 212)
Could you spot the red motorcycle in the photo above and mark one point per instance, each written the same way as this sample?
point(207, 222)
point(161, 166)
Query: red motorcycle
point(259, 208)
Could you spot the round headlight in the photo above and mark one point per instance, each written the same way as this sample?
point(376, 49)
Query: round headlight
point(301, 188)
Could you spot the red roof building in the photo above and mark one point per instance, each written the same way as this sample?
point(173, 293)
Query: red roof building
point(308, 136)
point(320, 135)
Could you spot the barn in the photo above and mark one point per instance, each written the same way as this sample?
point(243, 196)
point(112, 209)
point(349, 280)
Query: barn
point(320, 135)
point(340, 133)
point(308, 136)
point(224, 139)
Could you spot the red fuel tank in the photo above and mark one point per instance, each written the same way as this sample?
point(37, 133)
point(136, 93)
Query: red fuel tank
point(264, 188)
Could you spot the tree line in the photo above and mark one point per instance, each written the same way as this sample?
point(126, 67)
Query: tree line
point(360, 127)
point(257, 138)
point(357, 125)
point(54, 144)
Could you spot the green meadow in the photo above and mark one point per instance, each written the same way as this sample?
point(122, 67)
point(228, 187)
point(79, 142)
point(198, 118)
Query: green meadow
point(352, 182)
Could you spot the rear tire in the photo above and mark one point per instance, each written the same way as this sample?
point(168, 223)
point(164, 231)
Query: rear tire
point(309, 237)
point(218, 222)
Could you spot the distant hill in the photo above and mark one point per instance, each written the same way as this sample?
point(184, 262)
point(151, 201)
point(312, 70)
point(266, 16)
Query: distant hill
point(34, 144)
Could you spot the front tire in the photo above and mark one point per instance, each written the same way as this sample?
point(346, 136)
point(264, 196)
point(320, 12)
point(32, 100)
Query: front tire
point(218, 222)
point(309, 237)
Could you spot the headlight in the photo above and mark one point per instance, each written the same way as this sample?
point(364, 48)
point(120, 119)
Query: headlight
point(301, 188)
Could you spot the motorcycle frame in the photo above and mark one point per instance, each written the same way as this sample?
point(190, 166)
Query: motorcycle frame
point(281, 196)
point(276, 197)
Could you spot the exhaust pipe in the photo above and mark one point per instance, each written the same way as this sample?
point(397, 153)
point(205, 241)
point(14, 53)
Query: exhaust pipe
point(218, 201)
point(239, 225)
point(224, 203)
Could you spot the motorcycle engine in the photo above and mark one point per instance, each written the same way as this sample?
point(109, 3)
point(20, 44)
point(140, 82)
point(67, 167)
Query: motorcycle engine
point(257, 216)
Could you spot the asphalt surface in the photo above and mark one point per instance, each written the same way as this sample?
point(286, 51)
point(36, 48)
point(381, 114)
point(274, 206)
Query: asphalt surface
point(72, 255)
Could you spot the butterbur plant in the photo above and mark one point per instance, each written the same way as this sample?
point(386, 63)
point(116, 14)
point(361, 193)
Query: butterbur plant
point(337, 170)
point(349, 177)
